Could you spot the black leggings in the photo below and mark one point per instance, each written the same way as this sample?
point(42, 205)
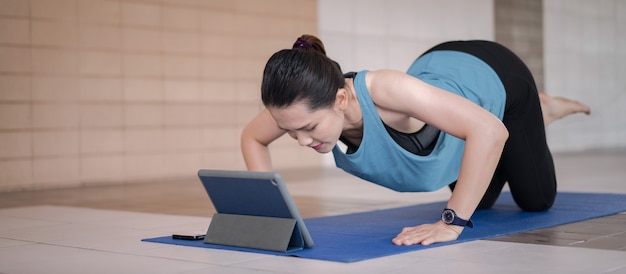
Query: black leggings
point(526, 162)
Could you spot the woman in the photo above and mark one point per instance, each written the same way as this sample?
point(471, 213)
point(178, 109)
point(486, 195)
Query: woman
point(466, 114)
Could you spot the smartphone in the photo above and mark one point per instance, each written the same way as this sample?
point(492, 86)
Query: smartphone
point(188, 236)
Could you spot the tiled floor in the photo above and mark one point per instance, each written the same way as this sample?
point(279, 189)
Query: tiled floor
point(98, 229)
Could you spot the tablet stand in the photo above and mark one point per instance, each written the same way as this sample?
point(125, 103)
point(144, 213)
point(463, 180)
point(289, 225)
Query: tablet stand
point(269, 233)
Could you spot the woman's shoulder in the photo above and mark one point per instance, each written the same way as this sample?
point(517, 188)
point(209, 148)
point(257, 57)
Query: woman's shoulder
point(383, 77)
point(385, 88)
point(399, 92)
point(384, 84)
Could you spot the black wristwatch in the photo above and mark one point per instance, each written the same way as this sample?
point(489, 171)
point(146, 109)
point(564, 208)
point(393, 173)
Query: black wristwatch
point(449, 217)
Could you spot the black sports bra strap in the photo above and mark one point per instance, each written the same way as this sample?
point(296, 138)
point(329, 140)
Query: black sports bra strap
point(350, 75)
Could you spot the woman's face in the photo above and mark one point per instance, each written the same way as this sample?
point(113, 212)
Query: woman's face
point(319, 129)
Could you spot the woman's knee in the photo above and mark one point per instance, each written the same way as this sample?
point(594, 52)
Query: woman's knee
point(536, 203)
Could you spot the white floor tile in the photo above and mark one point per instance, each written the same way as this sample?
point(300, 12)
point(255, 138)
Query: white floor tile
point(10, 242)
point(17, 223)
point(201, 255)
point(57, 239)
point(41, 258)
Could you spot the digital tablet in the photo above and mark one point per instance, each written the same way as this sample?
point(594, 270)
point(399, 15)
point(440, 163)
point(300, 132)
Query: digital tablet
point(252, 193)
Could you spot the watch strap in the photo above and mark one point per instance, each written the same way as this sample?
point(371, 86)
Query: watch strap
point(459, 221)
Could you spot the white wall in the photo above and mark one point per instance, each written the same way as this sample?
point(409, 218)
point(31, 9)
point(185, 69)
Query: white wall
point(375, 34)
point(584, 43)
point(390, 34)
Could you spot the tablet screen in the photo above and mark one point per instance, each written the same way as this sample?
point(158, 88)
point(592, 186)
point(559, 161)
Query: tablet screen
point(252, 193)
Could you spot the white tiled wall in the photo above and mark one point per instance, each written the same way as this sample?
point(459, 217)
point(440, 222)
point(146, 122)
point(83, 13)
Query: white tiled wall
point(390, 34)
point(375, 34)
point(585, 59)
point(584, 51)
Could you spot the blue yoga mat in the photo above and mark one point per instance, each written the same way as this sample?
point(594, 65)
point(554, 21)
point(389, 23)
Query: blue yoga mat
point(367, 235)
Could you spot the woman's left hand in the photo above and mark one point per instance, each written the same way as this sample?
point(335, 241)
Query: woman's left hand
point(427, 234)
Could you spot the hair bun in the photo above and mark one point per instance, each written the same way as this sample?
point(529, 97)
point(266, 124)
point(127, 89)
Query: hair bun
point(301, 43)
point(307, 41)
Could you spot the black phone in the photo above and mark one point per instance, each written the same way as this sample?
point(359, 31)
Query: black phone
point(188, 236)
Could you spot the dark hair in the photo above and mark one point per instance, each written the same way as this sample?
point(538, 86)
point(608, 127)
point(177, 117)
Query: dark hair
point(302, 73)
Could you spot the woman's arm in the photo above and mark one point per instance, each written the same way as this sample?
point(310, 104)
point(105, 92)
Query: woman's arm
point(484, 136)
point(255, 138)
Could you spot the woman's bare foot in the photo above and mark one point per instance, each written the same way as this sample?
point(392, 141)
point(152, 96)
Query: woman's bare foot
point(555, 108)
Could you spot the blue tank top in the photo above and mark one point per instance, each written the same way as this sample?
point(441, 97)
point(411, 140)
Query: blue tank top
point(380, 160)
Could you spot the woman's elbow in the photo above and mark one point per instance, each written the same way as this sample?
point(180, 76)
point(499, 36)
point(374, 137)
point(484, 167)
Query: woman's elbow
point(248, 139)
point(245, 135)
point(500, 134)
point(494, 134)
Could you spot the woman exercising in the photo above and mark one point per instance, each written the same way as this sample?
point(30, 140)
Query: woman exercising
point(466, 115)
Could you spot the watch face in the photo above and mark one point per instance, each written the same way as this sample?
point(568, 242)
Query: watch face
point(447, 216)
